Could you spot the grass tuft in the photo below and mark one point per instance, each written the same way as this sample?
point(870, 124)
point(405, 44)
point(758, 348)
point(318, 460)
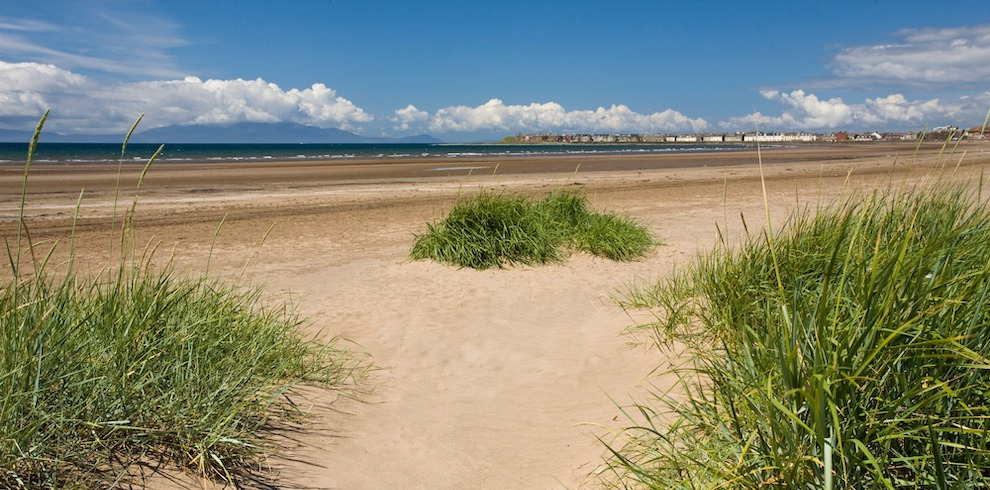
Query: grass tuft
point(852, 351)
point(100, 373)
point(492, 230)
point(142, 366)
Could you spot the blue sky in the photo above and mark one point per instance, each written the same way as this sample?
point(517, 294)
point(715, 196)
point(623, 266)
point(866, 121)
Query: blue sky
point(469, 71)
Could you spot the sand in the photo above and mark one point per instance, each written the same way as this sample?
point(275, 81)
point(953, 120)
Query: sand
point(483, 379)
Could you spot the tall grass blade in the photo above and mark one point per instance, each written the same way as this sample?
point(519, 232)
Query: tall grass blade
point(120, 169)
point(22, 224)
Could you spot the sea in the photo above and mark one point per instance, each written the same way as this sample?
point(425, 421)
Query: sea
point(139, 153)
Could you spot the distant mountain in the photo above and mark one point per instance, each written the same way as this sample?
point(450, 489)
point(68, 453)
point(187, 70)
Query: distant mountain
point(416, 138)
point(12, 136)
point(245, 132)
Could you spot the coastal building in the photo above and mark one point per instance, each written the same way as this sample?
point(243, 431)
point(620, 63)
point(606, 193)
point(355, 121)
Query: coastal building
point(944, 133)
point(978, 133)
point(938, 133)
point(759, 137)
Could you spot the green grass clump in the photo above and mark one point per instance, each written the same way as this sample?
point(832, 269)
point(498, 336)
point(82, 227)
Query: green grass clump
point(494, 230)
point(96, 375)
point(849, 350)
point(137, 366)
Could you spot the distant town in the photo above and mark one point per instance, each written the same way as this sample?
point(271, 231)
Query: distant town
point(936, 134)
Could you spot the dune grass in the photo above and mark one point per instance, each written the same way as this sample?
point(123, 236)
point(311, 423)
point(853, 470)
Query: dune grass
point(492, 230)
point(138, 366)
point(850, 349)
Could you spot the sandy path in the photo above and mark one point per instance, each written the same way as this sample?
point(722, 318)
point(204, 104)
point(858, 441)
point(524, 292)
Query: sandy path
point(485, 379)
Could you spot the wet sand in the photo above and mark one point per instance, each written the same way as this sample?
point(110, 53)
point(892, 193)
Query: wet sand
point(485, 379)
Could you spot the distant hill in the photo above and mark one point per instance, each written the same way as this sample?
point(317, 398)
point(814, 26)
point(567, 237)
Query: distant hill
point(245, 132)
point(12, 136)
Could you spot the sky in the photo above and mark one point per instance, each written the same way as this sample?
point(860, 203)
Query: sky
point(478, 71)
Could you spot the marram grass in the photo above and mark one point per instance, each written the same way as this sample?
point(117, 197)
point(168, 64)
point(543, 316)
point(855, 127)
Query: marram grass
point(853, 352)
point(142, 366)
point(492, 230)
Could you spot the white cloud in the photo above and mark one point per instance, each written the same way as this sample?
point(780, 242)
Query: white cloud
point(80, 104)
point(495, 115)
point(408, 115)
point(37, 77)
point(806, 111)
point(26, 88)
point(926, 57)
point(815, 112)
point(922, 61)
point(324, 107)
point(898, 109)
point(84, 105)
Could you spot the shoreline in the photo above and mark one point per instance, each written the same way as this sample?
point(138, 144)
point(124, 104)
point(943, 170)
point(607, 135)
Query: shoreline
point(188, 192)
point(59, 176)
point(203, 153)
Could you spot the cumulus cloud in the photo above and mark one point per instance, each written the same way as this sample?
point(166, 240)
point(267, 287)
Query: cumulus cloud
point(23, 85)
point(408, 115)
point(814, 112)
point(27, 89)
point(927, 57)
point(806, 111)
point(896, 108)
point(495, 115)
point(81, 104)
point(85, 105)
point(195, 101)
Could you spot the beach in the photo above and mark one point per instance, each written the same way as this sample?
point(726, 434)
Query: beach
point(501, 379)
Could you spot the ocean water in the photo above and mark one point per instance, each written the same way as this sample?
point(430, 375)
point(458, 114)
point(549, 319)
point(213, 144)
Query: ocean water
point(70, 153)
